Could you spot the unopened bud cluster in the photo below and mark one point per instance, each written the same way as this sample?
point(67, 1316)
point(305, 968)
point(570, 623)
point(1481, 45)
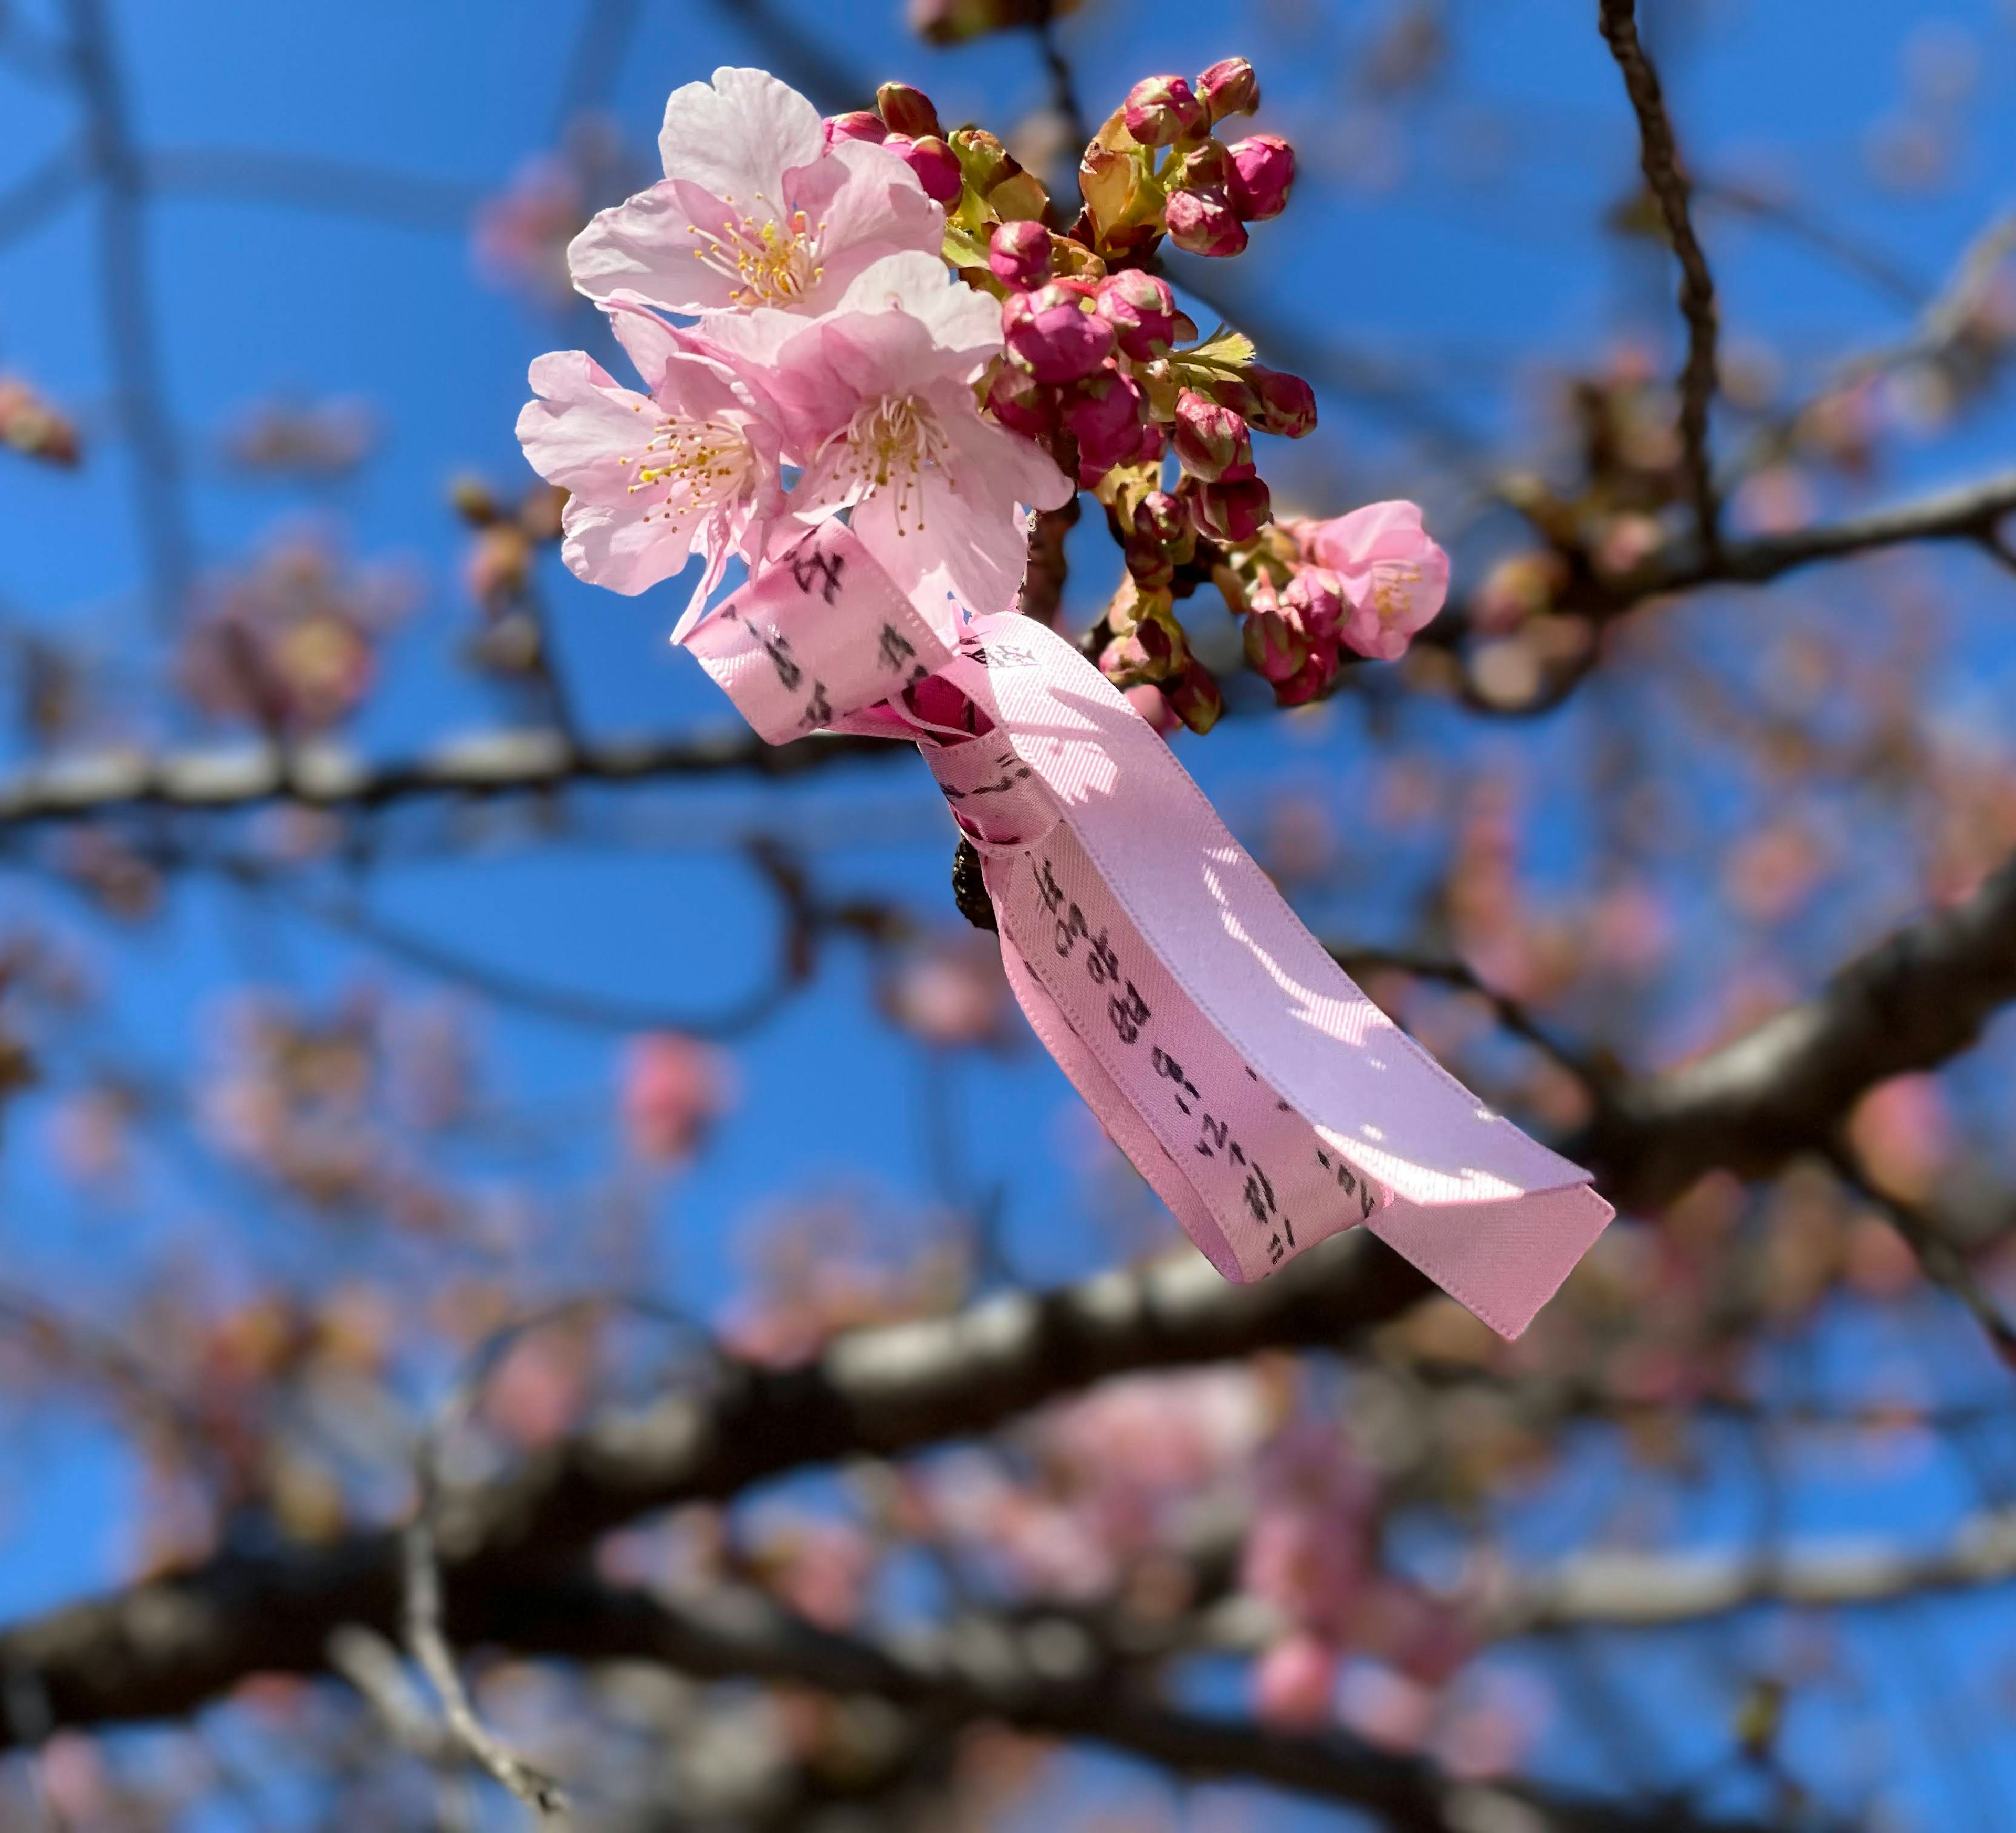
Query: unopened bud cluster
point(1101, 366)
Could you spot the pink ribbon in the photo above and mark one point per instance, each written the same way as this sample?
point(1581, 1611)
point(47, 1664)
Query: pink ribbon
point(1268, 1101)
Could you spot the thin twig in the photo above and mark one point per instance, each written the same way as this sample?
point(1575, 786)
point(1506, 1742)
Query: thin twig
point(1660, 157)
point(126, 285)
point(1941, 1258)
point(804, 919)
point(1510, 1014)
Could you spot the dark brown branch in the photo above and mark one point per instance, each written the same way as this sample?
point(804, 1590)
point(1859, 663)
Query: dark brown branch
point(1040, 1677)
point(1667, 178)
point(163, 1649)
point(1915, 999)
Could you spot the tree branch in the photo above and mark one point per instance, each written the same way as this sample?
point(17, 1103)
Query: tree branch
point(1667, 178)
point(1921, 996)
point(327, 774)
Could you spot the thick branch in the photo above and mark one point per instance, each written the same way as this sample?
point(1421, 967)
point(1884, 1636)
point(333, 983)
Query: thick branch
point(162, 1649)
point(1915, 999)
point(1667, 180)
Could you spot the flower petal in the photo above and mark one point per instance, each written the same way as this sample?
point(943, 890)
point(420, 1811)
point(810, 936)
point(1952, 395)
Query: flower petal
point(738, 136)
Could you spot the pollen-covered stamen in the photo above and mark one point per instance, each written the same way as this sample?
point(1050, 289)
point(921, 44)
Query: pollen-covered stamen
point(886, 448)
point(698, 465)
point(772, 260)
point(1393, 584)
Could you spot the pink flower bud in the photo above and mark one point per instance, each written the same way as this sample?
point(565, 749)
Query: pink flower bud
point(1263, 168)
point(1228, 513)
point(1395, 576)
point(1294, 1684)
point(1142, 310)
point(1153, 705)
point(908, 111)
point(1229, 87)
point(934, 163)
point(1159, 519)
point(1020, 255)
point(1204, 222)
point(1276, 649)
point(1155, 443)
point(1193, 697)
point(860, 125)
point(1317, 598)
point(1161, 110)
point(1106, 415)
point(1051, 335)
point(1021, 403)
point(1285, 404)
point(1212, 441)
point(1283, 653)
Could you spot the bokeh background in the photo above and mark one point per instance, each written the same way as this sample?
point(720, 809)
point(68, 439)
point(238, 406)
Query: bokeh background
point(304, 1104)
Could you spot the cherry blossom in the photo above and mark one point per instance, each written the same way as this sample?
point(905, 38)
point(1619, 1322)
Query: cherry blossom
point(653, 478)
point(756, 209)
point(877, 400)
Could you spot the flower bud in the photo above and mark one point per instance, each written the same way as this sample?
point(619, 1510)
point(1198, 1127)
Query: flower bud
point(1205, 167)
point(1297, 665)
point(1193, 697)
point(1204, 222)
point(1276, 649)
point(1155, 443)
point(1153, 705)
point(1229, 87)
point(1284, 404)
point(1161, 110)
point(1159, 519)
point(936, 165)
point(862, 123)
point(1021, 403)
point(1228, 513)
point(1020, 255)
point(1212, 441)
point(1051, 335)
point(1317, 598)
point(982, 158)
point(908, 111)
point(1142, 310)
point(1106, 415)
point(34, 426)
point(1263, 168)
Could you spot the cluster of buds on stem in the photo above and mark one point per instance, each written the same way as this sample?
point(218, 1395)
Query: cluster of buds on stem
point(1315, 596)
point(1157, 167)
point(1101, 366)
point(507, 538)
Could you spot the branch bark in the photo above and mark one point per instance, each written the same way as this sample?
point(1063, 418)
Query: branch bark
point(1923, 995)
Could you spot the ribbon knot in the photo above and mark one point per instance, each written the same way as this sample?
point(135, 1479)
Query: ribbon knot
point(1267, 1101)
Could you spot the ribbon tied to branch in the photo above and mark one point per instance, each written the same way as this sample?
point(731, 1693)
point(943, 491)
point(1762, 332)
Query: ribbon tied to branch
point(1268, 1101)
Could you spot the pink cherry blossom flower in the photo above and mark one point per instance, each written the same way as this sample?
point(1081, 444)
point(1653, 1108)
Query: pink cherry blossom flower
point(1294, 1684)
point(672, 1090)
point(653, 478)
point(1395, 577)
point(877, 400)
point(755, 209)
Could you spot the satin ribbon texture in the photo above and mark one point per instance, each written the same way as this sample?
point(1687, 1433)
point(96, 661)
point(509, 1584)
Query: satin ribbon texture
point(1269, 1101)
